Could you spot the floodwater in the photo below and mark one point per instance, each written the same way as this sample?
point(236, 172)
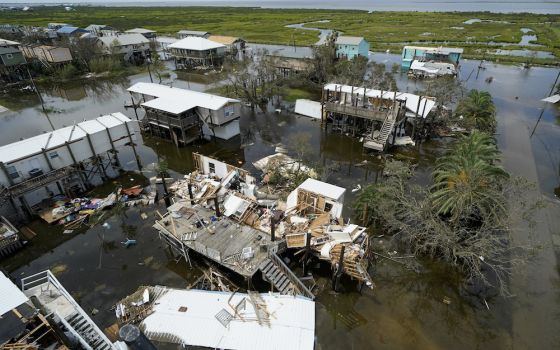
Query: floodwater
point(405, 310)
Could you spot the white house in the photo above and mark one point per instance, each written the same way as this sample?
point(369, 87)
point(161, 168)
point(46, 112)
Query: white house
point(194, 51)
point(178, 114)
point(33, 167)
point(131, 46)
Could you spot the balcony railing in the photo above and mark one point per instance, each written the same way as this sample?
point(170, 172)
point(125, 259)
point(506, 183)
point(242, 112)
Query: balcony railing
point(362, 112)
point(39, 181)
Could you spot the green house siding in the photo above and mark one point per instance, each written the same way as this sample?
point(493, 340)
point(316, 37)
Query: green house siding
point(11, 58)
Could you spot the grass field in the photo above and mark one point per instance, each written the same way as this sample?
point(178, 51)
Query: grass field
point(382, 29)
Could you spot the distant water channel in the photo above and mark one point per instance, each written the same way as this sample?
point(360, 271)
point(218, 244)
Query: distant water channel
point(406, 309)
point(534, 6)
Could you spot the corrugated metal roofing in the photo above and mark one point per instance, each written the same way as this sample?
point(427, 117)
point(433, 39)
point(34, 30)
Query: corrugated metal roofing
point(176, 99)
point(36, 144)
point(11, 296)
point(412, 100)
point(124, 39)
point(323, 188)
point(349, 40)
point(196, 44)
point(290, 326)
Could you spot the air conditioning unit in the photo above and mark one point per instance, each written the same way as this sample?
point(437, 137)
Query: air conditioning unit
point(36, 172)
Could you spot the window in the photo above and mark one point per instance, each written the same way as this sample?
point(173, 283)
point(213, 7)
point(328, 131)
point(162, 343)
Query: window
point(328, 207)
point(12, 172)
point(9, 56)
point(228, 110)
point(53, 155)
point(212, 167)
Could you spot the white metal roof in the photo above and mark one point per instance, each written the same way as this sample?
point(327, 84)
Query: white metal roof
point(6, 42)
point(349, 40)
point(196, 44)
point(441, 49)
point(170, 105)
point(35, 145)
point(290, 326)
point(412, 100)
point(140, 31)
point(124, 39)
point(552, 99)
point(11, 296)
point(323, 188)
point(308, 108)
point(174, 99)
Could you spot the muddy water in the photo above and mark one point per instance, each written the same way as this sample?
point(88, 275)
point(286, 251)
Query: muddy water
point(406, 308)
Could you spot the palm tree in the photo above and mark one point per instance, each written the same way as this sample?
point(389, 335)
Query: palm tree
point(467, 179)
point(478, 111)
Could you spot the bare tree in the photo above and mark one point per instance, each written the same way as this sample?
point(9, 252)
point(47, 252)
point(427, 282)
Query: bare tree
point(255, 81)
point(484, 253)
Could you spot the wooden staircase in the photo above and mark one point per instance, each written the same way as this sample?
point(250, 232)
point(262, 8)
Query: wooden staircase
point(378, 143)
point(282, 278)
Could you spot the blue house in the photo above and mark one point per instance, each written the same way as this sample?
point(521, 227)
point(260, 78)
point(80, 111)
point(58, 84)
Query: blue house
point(435, 54)
point(351, 46)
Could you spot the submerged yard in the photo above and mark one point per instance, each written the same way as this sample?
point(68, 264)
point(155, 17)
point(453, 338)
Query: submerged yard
point(475, 31)
point(407, 309)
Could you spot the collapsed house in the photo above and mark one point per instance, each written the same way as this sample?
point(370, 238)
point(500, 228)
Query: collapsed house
point(48, 55)
point(220, 218)
point(10, 241)
point(43, 315)
point(430, 62)
point(221, 320)
point(373, 115)
point(183, 116)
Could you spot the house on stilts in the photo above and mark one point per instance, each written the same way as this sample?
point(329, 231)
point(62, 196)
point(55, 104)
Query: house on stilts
point(65, 161)
point(183, 116)
point(380, 118)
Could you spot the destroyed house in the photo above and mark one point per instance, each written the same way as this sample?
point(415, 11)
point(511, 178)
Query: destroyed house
point(220, 214)
point(221, 319)
point(183, 116)
point(233, 44)
point(10, 54)
point(377, 114)
point(48, 54)
point(317, 197)
point(427, 54)
point(133, 47)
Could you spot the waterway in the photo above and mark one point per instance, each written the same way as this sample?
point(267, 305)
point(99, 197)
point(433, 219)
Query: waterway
point(533, 6)
point(405, 310)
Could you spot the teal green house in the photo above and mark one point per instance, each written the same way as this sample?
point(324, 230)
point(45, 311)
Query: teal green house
point(349, 47)
point(436, 54)
point(10, 56)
